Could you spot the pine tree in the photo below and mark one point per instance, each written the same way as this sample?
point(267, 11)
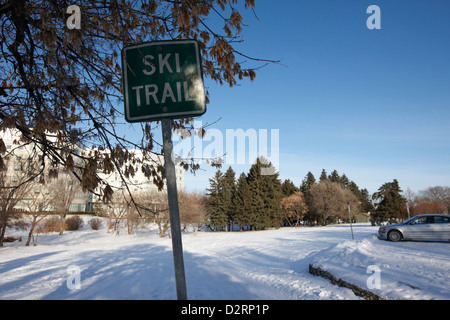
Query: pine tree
point(265, 195)
point(243, 214)
point(323, 176)
point(256, 197)
point(345, 181)
point(229, 195)
point(215, 202)
point(334, 177)
point(366, 204)
point(288, 188)
point(273, 199)
point(307, 182)
point(390, 202)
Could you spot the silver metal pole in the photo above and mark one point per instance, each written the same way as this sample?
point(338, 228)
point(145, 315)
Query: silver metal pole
point(407, 209)
point(350, 217)
point(175, 225)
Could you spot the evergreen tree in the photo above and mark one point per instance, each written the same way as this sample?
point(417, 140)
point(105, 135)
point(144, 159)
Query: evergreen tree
point(390, 202)
point(215, 203)
point(307, 182)
point(366, 204)
point(243, 214)
point(345, 181)
point(334, 177)
point(256, 197)
point(273, 199)
point(323, 176)
point(288, 188)
point(265, 195)
point(228, 196)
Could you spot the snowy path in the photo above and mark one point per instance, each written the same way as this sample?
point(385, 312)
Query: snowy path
point(230, 266)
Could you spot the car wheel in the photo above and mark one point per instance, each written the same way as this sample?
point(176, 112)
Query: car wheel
point(394, 236)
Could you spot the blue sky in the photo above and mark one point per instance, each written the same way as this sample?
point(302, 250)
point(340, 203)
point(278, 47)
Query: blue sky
point(373, 104)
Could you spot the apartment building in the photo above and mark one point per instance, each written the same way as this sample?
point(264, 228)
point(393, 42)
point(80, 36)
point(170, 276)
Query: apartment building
point(139, 182)
point(20, 160)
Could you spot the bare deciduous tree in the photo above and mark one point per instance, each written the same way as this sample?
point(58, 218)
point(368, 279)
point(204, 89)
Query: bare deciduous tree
point(37, 204)
point(63, 190)
point(61, 87)
point(157, 208)
point(330, 201)
point(294, 207)
point(438, 195)
point(13, 188)
point(115, 210)
point(192, 209)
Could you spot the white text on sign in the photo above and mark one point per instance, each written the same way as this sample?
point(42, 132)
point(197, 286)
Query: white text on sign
point(175, 92)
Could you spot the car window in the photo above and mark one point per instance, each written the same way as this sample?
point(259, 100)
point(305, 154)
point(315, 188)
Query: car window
point(421, 220)
point(410, 220)
point(439, 219)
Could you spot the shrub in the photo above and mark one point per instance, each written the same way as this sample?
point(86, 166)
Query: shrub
point(95, 223)
point(74, 223)
point(50, 225)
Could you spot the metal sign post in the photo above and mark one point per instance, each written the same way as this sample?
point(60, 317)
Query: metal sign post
point(350, 217)
point(163, 80)
point(171, 181)
point(407, 210)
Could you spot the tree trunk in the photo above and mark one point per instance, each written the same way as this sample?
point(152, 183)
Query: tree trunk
point(4, 215)
point(63, 222)
point(30, 234)
point(2, 235)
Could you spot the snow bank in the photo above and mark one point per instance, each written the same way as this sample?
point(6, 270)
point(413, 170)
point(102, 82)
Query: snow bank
point(402, 270)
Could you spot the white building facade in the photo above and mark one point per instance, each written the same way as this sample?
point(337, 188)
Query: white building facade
point(18, 156)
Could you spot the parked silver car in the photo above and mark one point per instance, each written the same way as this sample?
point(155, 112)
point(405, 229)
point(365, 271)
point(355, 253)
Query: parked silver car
point(425, 226)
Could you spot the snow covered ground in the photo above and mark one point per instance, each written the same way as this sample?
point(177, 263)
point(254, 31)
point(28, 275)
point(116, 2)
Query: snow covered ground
point(264, 265)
